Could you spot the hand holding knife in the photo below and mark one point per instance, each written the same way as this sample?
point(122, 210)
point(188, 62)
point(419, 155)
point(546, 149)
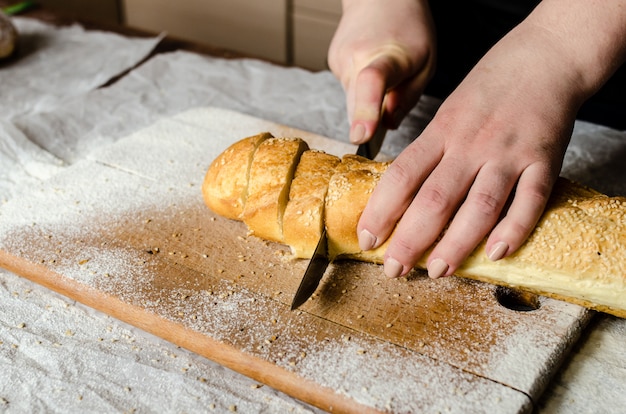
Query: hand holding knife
point(320, 261)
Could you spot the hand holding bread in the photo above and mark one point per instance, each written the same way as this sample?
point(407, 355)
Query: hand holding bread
point(286, 193)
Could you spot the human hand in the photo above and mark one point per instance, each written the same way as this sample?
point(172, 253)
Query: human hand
point(499, 138)
point(382, 53)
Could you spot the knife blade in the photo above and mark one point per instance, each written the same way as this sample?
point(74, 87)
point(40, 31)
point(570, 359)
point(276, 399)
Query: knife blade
point(319, 260)
point(314, 272)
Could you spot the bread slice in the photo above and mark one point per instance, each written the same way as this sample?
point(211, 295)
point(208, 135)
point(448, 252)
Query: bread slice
point(304, 216)
point(225, 185)
point(348, 191)
point(271, 173)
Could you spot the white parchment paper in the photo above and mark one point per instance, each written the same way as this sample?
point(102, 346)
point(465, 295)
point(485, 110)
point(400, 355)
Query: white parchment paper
point(56, 63)
point(53, 65)
point(58, 356)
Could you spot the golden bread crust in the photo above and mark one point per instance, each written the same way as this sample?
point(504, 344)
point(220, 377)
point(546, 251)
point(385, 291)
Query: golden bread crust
point(303, 220)
point(349, 190)
point(575, 253)
point(225, 184)
point(271, 173)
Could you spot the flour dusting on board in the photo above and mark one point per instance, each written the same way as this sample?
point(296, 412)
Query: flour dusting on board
point(131, 223)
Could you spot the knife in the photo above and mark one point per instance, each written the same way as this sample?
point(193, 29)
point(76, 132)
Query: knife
point(319, 260)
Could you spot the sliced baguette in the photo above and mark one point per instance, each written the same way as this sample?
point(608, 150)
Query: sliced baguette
point(576, 253)
point(303, 221)
point(225, 185)
point(349, 189)
point(271, 173)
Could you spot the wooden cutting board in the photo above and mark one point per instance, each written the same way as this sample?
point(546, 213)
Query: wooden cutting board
point(126, 232)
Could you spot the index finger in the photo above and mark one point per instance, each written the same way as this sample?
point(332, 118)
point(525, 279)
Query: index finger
point(395, 191)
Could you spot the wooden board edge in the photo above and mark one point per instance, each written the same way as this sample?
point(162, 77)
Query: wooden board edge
point(224, 354)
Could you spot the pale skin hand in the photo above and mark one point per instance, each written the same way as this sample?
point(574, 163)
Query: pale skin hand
point(501, 134)
point(382, 53)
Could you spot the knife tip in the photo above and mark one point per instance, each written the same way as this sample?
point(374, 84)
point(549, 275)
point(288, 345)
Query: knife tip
point(296, 304)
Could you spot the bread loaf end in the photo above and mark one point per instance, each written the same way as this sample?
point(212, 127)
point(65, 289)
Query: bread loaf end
point(225, 185)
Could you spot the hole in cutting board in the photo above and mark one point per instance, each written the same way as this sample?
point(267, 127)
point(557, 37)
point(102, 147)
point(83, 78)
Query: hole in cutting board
point(517, 300)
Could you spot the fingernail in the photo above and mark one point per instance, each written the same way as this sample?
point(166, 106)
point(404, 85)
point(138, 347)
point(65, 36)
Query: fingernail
point(437, 268)
point(357, 134)
point(367, 240)
point(498, 251)
point(393, 268)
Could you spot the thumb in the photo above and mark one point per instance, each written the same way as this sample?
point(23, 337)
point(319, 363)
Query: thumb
point(367, 92)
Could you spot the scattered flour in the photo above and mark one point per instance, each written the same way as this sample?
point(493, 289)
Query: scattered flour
point(89, 224)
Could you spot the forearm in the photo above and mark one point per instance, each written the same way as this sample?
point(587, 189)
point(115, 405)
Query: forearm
point(589, 37)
